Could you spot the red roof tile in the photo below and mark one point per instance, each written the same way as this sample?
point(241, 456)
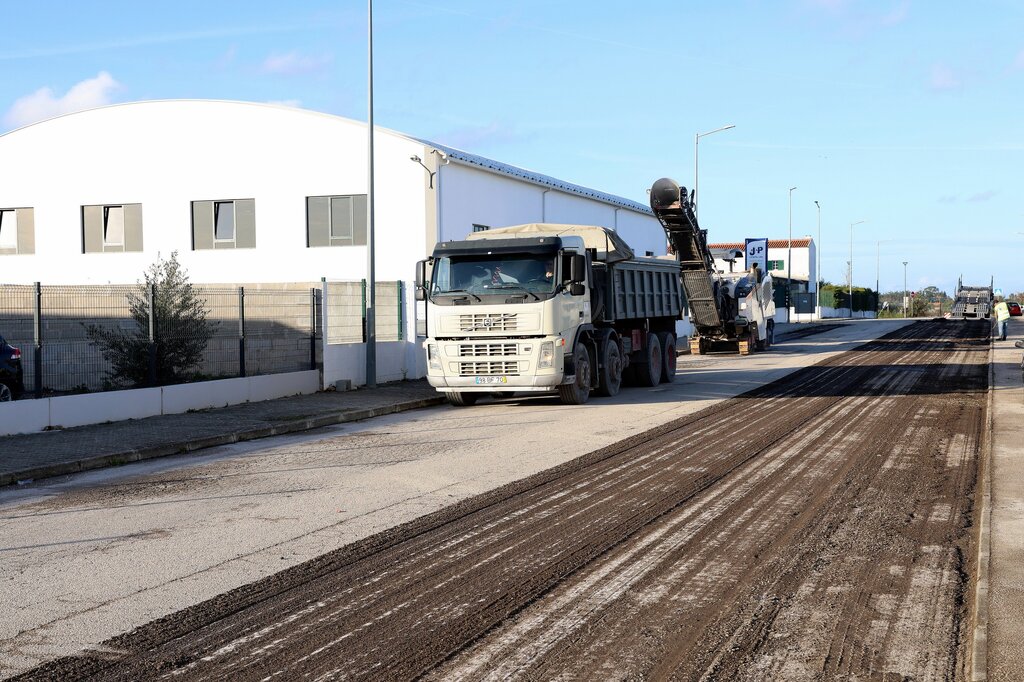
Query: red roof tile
point(800, 243)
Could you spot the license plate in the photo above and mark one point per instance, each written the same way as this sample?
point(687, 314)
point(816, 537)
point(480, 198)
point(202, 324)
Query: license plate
point(492, 380)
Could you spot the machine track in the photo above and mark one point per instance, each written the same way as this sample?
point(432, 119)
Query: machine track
point(816, 528)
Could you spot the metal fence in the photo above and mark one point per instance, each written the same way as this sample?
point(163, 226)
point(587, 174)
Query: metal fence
point(345, 306)
point(76, 339)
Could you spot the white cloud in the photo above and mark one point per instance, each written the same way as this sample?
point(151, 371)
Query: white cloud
point(294, 103)
point(987, 195)
point(44, 103)
point(294, 63)
point(944, 78)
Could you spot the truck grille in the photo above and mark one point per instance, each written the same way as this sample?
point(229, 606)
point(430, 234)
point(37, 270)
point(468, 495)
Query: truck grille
point(503, 322)
point(475, 369)
point(478, 350)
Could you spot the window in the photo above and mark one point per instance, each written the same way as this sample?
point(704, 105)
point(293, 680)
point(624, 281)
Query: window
point(338, 220)
point(480, 228)
point(8, 231)
point(649, 253)
point(111, 228)
point(17, 231)
point(224, 224)
point(224, 221)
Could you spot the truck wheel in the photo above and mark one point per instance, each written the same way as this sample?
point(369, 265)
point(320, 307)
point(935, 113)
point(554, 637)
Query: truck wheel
point(610, 372)
point(578, 391)
point(668, 351)
point(462, 399)
point(648, 372)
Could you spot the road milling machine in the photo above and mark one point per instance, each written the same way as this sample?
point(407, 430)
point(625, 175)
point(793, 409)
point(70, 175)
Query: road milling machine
point(734, 310)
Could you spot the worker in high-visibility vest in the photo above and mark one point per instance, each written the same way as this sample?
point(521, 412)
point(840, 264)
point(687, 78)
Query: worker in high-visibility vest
point(1002, 315)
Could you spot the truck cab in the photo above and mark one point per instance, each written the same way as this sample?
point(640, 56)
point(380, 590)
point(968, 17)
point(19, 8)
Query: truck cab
point(501, 313)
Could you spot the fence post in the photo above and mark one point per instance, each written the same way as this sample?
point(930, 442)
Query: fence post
point(401, 330)
point(152, 334)
point(37, 345)
point(241, 331)
point(312, 327)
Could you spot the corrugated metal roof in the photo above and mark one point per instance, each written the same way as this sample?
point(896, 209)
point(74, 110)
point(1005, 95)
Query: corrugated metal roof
point(536, 178)
point(772, 244)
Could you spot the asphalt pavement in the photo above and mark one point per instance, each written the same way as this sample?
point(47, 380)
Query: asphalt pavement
point(999, 630)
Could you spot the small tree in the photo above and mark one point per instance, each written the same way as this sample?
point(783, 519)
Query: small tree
point(182, 330)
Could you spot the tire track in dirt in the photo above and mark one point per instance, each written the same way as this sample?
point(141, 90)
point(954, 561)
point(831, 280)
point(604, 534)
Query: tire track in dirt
point(808, 529)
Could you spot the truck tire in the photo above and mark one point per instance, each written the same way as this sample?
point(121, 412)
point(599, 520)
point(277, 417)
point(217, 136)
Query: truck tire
point(462, 399)
point(648, 370)
point(609, 374)
point(668, 351)
point(578, 391)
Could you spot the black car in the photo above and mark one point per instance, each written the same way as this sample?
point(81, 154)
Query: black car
point(11, 377)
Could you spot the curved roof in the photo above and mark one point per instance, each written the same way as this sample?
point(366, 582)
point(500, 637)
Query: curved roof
point(452, 153)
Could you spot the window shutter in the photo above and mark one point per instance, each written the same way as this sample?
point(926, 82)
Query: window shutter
point(92, 229)
point(318, 230)
point(26, 230)
point(245, 223)
point(133, 227)
point(202, 225)
point(359, 220)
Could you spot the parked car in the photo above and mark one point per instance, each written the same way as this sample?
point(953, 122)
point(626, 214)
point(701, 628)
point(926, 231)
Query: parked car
point(1014, 308)
point(11, 377)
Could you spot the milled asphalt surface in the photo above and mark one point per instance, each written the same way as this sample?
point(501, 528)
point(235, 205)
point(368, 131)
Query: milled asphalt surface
point(999, 632)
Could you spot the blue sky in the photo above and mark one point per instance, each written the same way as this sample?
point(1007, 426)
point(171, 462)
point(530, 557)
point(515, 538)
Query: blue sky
point(903, 113)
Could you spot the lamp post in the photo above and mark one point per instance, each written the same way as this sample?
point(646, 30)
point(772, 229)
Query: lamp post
point(817, 266)
point(789, 258)
point(904, 289)
point(696, 139)
point(878, 263)
point(851, 263)
point(371, 289)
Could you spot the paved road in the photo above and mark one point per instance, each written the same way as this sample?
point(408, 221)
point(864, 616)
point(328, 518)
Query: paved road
point(89, 559)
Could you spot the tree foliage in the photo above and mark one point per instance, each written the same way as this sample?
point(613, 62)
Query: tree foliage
point(182, 330)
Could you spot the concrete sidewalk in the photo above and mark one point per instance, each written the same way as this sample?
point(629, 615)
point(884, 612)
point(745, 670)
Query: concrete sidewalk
point(1001, 587)
point(54, 453)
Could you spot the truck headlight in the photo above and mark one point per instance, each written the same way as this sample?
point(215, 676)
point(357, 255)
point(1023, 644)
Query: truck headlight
point(547, 355)
point(433, 358)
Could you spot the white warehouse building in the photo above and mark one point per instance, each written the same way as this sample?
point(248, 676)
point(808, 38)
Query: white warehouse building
point(249, 192)
point(259, 194)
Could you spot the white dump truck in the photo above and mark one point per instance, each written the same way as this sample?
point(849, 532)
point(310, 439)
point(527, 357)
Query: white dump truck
point(545, 307)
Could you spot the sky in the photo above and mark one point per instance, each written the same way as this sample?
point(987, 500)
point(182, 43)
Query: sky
point(904, 114)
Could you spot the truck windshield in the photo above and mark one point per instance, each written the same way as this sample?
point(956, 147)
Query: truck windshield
point(493, 275)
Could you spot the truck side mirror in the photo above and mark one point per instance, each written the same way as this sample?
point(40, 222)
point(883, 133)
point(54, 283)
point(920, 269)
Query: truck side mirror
point(578, 268)
point(577, 289)
point(421, 280)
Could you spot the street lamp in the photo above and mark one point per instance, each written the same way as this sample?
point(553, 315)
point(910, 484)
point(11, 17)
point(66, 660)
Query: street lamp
point(789, 257)
point(878, 261)
point(851, 263)
point(904, 289)
point(371, 262)
point(817, 267)
point(696, 139)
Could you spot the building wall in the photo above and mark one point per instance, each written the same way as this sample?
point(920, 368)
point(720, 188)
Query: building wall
point(471, 195)
point(164, 155)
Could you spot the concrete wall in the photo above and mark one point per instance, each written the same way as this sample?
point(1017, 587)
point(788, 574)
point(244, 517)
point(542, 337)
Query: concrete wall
point(28, 416)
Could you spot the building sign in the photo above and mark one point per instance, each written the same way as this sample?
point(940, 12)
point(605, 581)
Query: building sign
point(756, 253)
